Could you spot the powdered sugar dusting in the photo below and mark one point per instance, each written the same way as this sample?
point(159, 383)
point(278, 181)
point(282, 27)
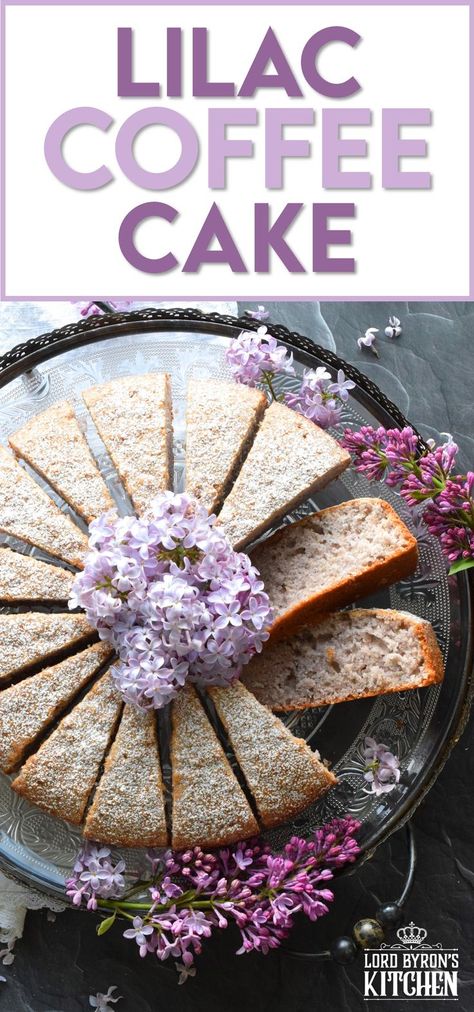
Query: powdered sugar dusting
point(53, 444)
point(28, 708)
point(23, 578)
point(128, 807)
point(282, 772)
point(208, 803)
point(29, 514)
point(220, 421)
point(31, 637)
point(289, 458)
point(133, 416)
point(60, 776)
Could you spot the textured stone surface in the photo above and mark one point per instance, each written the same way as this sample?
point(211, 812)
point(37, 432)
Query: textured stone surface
point(428, 372)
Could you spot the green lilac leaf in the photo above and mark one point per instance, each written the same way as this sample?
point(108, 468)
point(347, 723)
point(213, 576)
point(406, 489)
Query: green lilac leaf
point(106, 924)
point(462, 564)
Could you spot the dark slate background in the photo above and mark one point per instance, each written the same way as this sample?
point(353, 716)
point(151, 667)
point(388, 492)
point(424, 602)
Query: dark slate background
point(429, 373)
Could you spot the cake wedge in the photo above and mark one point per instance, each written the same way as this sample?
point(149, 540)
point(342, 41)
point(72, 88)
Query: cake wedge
point(27, 513)
point(23, 578)
point(282, 772)
point(209, 806)
point(290, 458)
point(29, 708)
point(53, 444)
point(31, 637)
point(60, 776)
point(346, 655)
point(221, 421)
point(134, 418)
point(331, 558)
point(128, 808)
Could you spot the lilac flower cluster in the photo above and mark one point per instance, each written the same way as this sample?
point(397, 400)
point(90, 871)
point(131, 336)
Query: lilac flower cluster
point(94, 309)
point(424, 478)
point(382, 769)
point(319, 398)
point(94, 875)
point(173, 598)
point(256, 358)
point(191, 893)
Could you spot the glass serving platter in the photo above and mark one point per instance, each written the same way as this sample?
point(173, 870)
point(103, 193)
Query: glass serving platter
point(421, 726)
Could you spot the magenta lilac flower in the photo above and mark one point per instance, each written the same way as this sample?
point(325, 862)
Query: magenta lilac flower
point(426, 481)
point(193, 893)
point(173, 598)
point(382, 770)
point(256, 357)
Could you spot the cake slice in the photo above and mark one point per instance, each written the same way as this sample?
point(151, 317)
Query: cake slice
point(134, 418)
point(290, 458)
point(221, 421)
point(209, 806)
point(60, 776)
point(53, 444)
point(128, 808)
point(23, 578)
point(348, 655)
point(331, 558)
point(27, 513)
point(282, 772)
point(31, 637)
point(28, 709)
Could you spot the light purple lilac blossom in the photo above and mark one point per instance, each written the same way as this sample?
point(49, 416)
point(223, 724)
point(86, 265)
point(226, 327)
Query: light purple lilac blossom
point(192, 893)
point(382, 769)
point(102, 1002)
point(92, 309)
point(255, 357)
point(173, 598)
point(260, 314)
point(367, 340)
point(95, 875)
point(394, 328)
point(318, 398)
point(425, 479)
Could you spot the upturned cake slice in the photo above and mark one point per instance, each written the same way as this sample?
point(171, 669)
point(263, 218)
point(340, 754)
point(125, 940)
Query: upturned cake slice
point(28, 709)
point(290, 458)
point(134, 418)
point(221, 421)
point(282, 772)
point(331, 558)
point(209, 806)
point(31, 637)
point(128, 808)
point(60, 776)
point(348, 655)
point(23, 578)
point(27, 513)
point(53, 444)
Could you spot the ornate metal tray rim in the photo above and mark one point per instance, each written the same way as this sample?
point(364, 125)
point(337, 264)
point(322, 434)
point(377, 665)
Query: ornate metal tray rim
point(25, 356)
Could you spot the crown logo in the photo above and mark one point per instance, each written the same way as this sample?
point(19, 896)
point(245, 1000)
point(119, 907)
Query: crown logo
point(412, 935)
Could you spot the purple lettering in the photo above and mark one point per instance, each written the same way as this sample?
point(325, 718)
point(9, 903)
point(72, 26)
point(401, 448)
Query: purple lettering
point(323, 237)
point(214, 228)
point(153, 209)
point(272, 237)
point(53, 143)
